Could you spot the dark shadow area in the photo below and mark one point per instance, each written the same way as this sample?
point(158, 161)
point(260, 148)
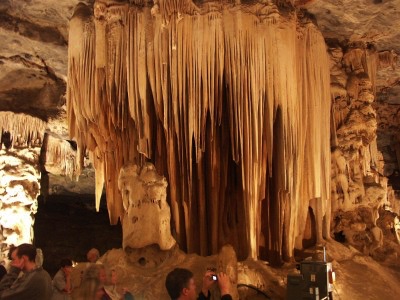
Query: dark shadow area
point(310, 232)
point(394, 180)
point(340, 237)
point(68, 226)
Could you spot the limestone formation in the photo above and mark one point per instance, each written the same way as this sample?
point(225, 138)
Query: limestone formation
point(19, 178)
point(227, 263)
point(59, 157)
point(397, 228)
point(219, 109)
point(147, 214)
point(357, 183)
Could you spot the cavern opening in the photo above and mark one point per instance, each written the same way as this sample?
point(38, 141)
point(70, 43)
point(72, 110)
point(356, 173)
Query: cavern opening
point(67, 226)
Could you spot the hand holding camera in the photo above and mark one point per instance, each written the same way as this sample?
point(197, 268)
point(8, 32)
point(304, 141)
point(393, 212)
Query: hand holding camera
point(213, 276)
point(221, 278)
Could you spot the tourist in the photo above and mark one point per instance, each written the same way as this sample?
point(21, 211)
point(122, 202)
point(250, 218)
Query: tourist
point(62, 281)
point(181, 286)
point(93, 255)
point(92, 285)
point(34, 283)
point(90, 289)
point(113, 292)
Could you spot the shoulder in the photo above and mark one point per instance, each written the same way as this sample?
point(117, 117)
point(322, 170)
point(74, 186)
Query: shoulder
point(41, 274)
point(42, 271)
point(59, 274)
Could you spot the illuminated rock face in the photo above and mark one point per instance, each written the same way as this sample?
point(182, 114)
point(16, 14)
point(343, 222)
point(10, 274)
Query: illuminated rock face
point(229, 103)
point(59, 157)
point(19, 178)
point(147, 217)
point(358, 189)
point(396, 227)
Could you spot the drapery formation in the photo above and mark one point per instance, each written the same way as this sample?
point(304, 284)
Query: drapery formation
point(20, 130)
point(231, 104)
point(59, 156)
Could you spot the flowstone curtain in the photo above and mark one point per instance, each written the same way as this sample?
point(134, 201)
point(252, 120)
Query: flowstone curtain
point(197, 91)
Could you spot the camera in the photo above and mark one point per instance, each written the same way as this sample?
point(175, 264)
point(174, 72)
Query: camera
point(213, 276)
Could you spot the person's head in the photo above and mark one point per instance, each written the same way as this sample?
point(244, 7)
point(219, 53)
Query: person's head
point(93, 255)
point(66, 265)
point(180, 284)
point(97, 271)
point(24, 256)
point(93, 281)
point(27, 250)
point(90, 289)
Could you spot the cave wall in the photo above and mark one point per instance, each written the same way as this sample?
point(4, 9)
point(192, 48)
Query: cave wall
point(362, 201)
point(21, 138)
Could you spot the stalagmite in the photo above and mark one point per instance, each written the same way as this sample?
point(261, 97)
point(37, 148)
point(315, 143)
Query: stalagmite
point(230, 103)
point(145, 202)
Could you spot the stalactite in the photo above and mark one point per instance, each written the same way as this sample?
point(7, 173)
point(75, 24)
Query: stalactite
point(319, 157)
point(201, 88)
point(139, 102)
point(59, 157)
point(97, 96)
point(372, 67)
point(388, 58)
point(25, 131)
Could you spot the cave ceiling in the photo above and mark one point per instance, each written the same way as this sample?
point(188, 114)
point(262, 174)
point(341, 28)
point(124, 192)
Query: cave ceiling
point(34, 47)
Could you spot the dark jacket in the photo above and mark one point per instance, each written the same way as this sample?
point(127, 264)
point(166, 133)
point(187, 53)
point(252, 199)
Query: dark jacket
point(32, 285)
point(203, 297)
